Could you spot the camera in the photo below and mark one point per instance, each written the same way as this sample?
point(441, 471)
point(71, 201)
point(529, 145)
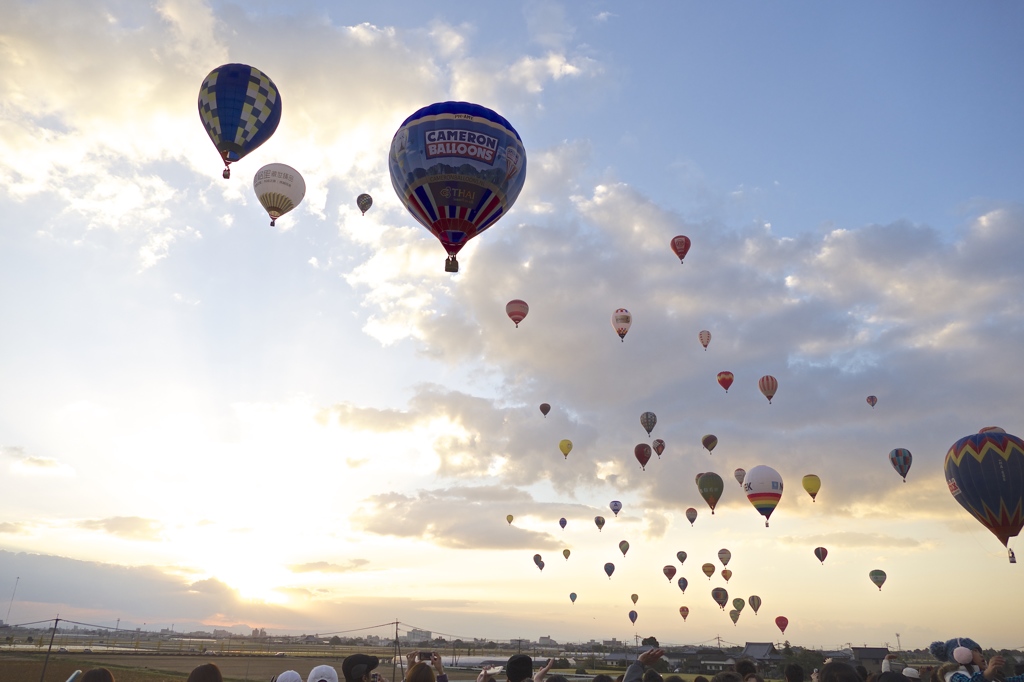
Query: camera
point(425, 656)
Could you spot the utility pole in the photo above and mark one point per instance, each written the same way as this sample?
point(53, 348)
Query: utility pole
point(8, 620)
point(47, 659)
point(898, 646)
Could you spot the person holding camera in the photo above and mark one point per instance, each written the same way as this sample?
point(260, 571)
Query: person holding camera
point(425, 666)
point(359, 667)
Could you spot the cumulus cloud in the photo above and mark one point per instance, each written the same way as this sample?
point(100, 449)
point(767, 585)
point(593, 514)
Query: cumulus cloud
point(127, 527)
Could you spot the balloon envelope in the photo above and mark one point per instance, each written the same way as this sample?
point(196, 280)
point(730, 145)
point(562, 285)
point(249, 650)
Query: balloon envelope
point(516, 310)
point(783, 623)
point(648, 420)
point(872, 400)
point(726, 574)
point(572, 597)
point(669, 571)
point(821, 553)
point(725, 380)
point(985, 474)
point(642, 452)
point(724, 555)
point(768, 385)
point(680, 246)
point(609, 568)
point(615, 506)
point(755, 603)
point(544, 409)
point(240, 108)
point(632, 616)
point(681, 556)
point(458, 167)
point(739, 475)
point(599, 522)
point(659, 446)
point(621, 322)
point(812, 484)
point(566, 553)
point(738, 604)
point(682, 584)
point(705, 338)
point(684, 612)
point(364, 202)
point(536, 559)
point(540, 565)
point(279, 189)
point(509, 519)
point(901, 460)
point(691, 515)
point(878, 578)
point(709, 441)
point(623, 547)
point(720, 596)
point(562, 522)
point(565, 445)
point(634, 597)
point(711, 487)
point(734, 615)
point(709, 569)
point(763, 486)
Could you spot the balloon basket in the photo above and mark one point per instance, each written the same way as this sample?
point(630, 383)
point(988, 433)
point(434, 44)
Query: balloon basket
point(226, 173)
point(1013, 557)
point(451, 265)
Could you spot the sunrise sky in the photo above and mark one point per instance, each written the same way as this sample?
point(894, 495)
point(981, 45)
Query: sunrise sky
point(207, 421)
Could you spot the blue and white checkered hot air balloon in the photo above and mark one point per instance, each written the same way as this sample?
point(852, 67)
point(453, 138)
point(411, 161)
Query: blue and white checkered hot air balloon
point(240, 107)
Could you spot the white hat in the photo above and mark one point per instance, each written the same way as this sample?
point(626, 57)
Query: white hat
point(323, 673)
point(288, 676)
point(911, 673)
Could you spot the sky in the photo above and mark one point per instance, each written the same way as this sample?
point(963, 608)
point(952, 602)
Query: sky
point(206, 421)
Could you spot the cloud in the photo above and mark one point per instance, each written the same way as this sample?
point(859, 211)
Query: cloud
point(12, 528)
point(852, 540)
point(126, 527)
point(38, 466)
point(327, 567)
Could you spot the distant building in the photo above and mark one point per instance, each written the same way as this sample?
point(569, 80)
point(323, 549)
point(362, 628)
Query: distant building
point(519, 642)
point(764, 653)
point(870, 657)
point(612, 642)
point(546, 640)
point(419, 635)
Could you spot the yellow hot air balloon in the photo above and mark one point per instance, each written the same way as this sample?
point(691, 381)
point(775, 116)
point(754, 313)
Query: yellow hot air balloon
point(509, 519)
point(566, 447)
point(812, 484)
point(566, 553)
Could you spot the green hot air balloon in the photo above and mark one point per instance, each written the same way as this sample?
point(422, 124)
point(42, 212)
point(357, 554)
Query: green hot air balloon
point(734, 615)
point(878, 578)
point(711, 487)
point(738, 604)
point(755, 603)
point(623, 547)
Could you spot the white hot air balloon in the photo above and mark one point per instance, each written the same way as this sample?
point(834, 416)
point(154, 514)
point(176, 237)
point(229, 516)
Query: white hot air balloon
point(279, 188)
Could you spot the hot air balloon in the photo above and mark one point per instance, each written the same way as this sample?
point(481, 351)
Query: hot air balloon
point(615, 506)
point(739, 475)
point(872, 401)
point(696, 479)
point(648, 420)
point(691, 515)
point(364, 202)
point(724, 555)
point(709, 441)
point(540, 565)
point(901, 459)
point(669, 571)
point(537, 559)
point(720, 596)
point(572, 597)
point(279, 189)
point(738, 604)
point(680, 245)
point(565, 445)
point(599, 522)
point(734, 615)
point(623, 547)
point(709, 569)
point(634, 597)
point(763, 486)
point(812, 484)
point(681, 555)
point(878, 578)
point(642, 452)
point(985, 474)
point(725, 380)
point(562, 522)
point(821, 553)
point(768, 385)
point(632, 617)
point(240, 108)
point(457, 167)
point(609, 568)
point(544, 409)
point(621, 322)
point(516, 310)
point(991, 429)
point(659, 446)
point(684, 612)
point(711, 487)
point(755, 603)
point(726, 573)
point(566, 553)
point(783, 623)
point(509, 519)
point(705, 338)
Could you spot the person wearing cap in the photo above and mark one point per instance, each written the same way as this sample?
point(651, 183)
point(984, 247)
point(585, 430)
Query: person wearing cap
point(287, 676)
point(963, 661)
point(322, 673)
point(357, 668)
point(635, 672)
point(907, 672)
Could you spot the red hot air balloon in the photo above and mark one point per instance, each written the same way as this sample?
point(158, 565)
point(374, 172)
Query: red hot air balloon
point(821, 553)
point(544, 409)
point(768, 385)
point(705, 338)
point(659, 446)
point(872, 401)
point(684, 612)
point(669, 571)
point(516, 310)
point(680, 246)
point(643, 454)
point(783, 623)
point(725, 380)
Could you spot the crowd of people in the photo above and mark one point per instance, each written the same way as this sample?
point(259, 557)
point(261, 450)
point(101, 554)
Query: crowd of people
point(960, 660)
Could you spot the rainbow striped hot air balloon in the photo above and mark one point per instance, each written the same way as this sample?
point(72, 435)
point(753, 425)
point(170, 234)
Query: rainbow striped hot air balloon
point(763, 486)
point(985, 474)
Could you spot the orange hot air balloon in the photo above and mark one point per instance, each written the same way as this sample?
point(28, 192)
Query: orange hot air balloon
point(516, 310)
point(768, 385)
point(680, 246)
point(725, 380)
point(705, 338)
point(726, 573)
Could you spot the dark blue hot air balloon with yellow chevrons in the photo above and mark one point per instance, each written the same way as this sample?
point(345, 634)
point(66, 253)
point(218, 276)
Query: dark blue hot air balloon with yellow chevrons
point(985, 474)
point(240, 107)
point(458, 167)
